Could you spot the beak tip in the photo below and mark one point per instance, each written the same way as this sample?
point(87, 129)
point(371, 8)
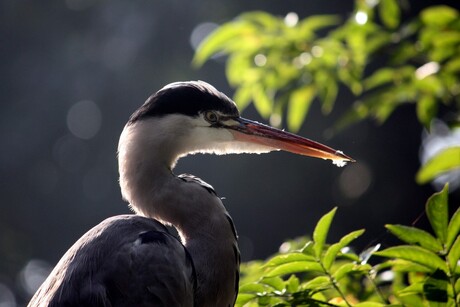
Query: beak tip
point(344, 156)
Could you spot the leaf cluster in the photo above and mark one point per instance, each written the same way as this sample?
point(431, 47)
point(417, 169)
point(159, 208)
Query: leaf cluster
point(282, 65)
point(425, 271)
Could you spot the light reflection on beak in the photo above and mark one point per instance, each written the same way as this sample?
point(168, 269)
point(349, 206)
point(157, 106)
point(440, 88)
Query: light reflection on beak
point(245, 130)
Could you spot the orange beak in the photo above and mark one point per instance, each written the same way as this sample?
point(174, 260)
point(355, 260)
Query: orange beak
point(250, 131)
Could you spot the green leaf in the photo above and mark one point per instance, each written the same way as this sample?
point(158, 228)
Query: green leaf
point(313, 23)
point(229, 34)
point(445, 161)
point(317, 282)
point(334, 249)
point(426, 109)
point(415, 254)
point(252, 288)
point(454, 255)
point(292, 284)
point(329, 96)
point(262, 102)
point(344, 270)
point(307, 249)
point(437, 213)
point(299, 103)
point(321, 231)
point(286, 258)
point(379, 77)
point(417, 236)
point(294, 267)
point(244, 298)
point(242, 97)
point(412, 289)
point(439, 15)
point(276, 283)
point(390, 13)
point(453, 229)
point(400, 265)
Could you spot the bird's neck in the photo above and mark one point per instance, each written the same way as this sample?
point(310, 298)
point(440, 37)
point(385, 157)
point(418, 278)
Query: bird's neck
point(200, 218)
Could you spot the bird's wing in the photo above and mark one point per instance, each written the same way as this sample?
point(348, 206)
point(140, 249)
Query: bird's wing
point(126, 260)
point(192, 178)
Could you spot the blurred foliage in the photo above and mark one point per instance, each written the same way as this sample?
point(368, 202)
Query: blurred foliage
point(423, 272)
point(282, 65)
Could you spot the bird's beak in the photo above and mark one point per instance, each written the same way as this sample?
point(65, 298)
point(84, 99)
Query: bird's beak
point(245, 130)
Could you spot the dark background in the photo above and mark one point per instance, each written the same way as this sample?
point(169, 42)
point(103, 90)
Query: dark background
point(64, 63)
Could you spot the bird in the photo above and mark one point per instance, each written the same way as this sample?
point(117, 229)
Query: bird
point(133, 259)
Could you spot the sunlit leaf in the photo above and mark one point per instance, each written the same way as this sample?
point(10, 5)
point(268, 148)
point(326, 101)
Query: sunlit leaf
point(275, 282)
point(299, 103)
point(416, 254)
point(437, 213)
point(263, 20)
point(445, 161)
point(454, 255)
point(244, 298)
point(286, 258)
point(426, 109)
point(453, 230)
point(292, 284)
point(262, 102)
point(389, 13)
point(308, 248)
point(416, 236)
point(400, 265)
point(453, 65)
point(412, 289)
point(294, 267)
point(328, 89)
point(439, 15)
point(321, 231)
point(334, 249)
point(347, 268)
point(242, 97)
point(252, 288)
point(380, 77)
point(226, 35)
point(314, 23)
point(317, 282)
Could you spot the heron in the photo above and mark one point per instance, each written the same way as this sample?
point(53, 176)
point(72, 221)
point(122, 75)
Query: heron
point(132, 259)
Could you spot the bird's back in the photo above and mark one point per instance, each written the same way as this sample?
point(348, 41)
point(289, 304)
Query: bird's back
point(126, 260)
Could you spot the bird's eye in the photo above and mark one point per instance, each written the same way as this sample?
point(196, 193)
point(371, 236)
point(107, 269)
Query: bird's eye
point(211, 117)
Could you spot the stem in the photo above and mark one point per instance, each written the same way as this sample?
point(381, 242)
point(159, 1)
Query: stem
point(377, 289)
point(334, 284)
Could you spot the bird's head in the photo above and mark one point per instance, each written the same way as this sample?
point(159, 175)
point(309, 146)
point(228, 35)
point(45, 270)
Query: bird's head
point(189, 117)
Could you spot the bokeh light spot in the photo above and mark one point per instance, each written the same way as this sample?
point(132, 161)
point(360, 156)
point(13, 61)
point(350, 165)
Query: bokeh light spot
point(302, 60)
point(317, 51)
point(291, 19)
point(33, 275)
point(260, 60)
point(84, 119)
point(355, 180)
point(361, 17)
